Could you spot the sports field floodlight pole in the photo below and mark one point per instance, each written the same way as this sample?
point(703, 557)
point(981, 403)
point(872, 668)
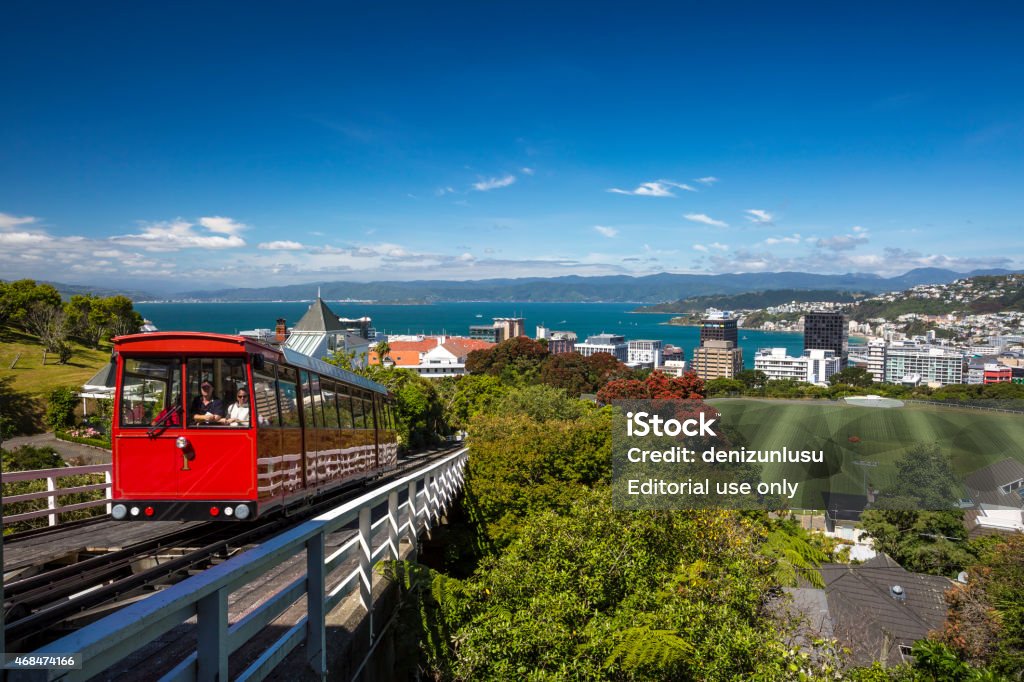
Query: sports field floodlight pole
point(863, 463)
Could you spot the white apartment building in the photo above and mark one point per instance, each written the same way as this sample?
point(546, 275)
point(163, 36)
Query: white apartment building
point(876, 360)
point(644, 353)
point(815, 366)
point(936, 366)
point(614, 344)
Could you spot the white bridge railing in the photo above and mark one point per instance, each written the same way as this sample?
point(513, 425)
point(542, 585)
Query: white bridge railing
point(205, 596)
point(52, 492)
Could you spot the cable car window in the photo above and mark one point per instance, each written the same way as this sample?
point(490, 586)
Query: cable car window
point(345, 408)
point(288, 396)
point(151, 392)
point(217, 387)
point(310, 405)
point(358, 421)
point(330, 391)
point(264, 397)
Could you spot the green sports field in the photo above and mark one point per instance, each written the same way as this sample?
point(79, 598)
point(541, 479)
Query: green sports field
point(971, 438)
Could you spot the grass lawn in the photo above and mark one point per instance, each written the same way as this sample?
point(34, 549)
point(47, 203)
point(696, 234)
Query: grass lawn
point(971, 438)
point(32, 377)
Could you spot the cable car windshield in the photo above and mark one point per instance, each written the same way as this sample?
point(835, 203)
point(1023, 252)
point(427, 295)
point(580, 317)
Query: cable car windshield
point(218, 392)
point(151, 392)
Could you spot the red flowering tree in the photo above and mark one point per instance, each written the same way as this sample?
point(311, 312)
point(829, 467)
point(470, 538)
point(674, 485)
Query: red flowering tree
point(657, 386)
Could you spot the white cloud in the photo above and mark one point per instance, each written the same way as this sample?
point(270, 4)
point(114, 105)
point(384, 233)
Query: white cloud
point(494, 183)
point(441, 191)
point(705, 219)
point(606, 231)
point(23, 238)
point(719, 246)
point(527, 171)
point(284, 245)
point(708, 180)
point(794, 239)
point(844, 242)
point(700, 247)
point(657, 188)
point(8, 221)
point(759, 216)
point(179, 234)
point(222, 225)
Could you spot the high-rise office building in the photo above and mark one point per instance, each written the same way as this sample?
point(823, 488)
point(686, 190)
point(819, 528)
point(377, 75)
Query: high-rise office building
point(719, 328)
point(717, 359)
point(827, 330)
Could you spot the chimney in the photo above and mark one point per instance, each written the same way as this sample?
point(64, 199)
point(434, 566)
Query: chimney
point(281, 331)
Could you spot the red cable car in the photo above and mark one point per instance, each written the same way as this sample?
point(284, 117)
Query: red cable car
point(211, 426)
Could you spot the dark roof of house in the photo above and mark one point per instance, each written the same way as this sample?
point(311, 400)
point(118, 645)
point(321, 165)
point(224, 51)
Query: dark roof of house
point(319, 318)
point(843, 506)
point(107, 376)
point(869, 619)
point(984, 484)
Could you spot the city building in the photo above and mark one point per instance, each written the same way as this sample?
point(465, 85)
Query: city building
point(432, 357)
point(674, 367)
point(827, 330)
point(320, 333)
point(510, 327)
point(644, 353)
point(614, 344)
point(994, 373)
point(670, 352)
point(933, 366)
point(561, 342)
point(485, 332)
point(717, 359)
point(876, 360)
point(815, 366)
point(719, 327)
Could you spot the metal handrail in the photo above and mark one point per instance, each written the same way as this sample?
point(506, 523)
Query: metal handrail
point(205, 596)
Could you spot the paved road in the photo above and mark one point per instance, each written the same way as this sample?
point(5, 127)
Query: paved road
point(73, 453)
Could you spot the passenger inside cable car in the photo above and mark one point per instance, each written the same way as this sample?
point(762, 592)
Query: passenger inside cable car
point(206, 409)
point(238, 411)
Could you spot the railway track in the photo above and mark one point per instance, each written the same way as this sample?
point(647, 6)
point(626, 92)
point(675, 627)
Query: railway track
point(62, 599)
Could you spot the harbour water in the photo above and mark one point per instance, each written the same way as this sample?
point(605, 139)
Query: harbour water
point(455, 318)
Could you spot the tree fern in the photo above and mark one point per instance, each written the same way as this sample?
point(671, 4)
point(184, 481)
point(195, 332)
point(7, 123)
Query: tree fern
point(642, 648)
point(794, 557)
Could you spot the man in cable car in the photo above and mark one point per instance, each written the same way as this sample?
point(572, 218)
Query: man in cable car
point(205, 408)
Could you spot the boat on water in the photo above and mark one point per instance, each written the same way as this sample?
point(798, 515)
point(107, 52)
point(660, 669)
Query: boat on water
point(479, 315)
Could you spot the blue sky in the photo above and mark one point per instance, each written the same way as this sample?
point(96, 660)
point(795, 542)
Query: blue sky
point(245, 145)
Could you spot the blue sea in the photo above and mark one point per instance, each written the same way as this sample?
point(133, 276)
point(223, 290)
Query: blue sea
point(455, 318)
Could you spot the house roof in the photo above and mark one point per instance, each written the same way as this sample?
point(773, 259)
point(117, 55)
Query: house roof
point(461, 347)
point(869, 619)
point(105, 378)
point(319, 318)
point(984, 484)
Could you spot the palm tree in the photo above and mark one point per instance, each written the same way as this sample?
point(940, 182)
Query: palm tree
point(382, 349)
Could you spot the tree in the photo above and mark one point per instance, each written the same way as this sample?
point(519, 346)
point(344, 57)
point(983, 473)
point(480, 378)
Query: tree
point(852, 376)
point(60, 408)
point(462, 397)
point(514, 360)
point(571, 372)
point(50, 324)
point(657, 386)
point(985, 625)
point(17, 298)
point(592, 593)
point(382, 349)
point(723, 386)
point(752, 378)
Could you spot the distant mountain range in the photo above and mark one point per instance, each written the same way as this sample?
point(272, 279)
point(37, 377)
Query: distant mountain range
point(660, 288)
point(614, 288)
